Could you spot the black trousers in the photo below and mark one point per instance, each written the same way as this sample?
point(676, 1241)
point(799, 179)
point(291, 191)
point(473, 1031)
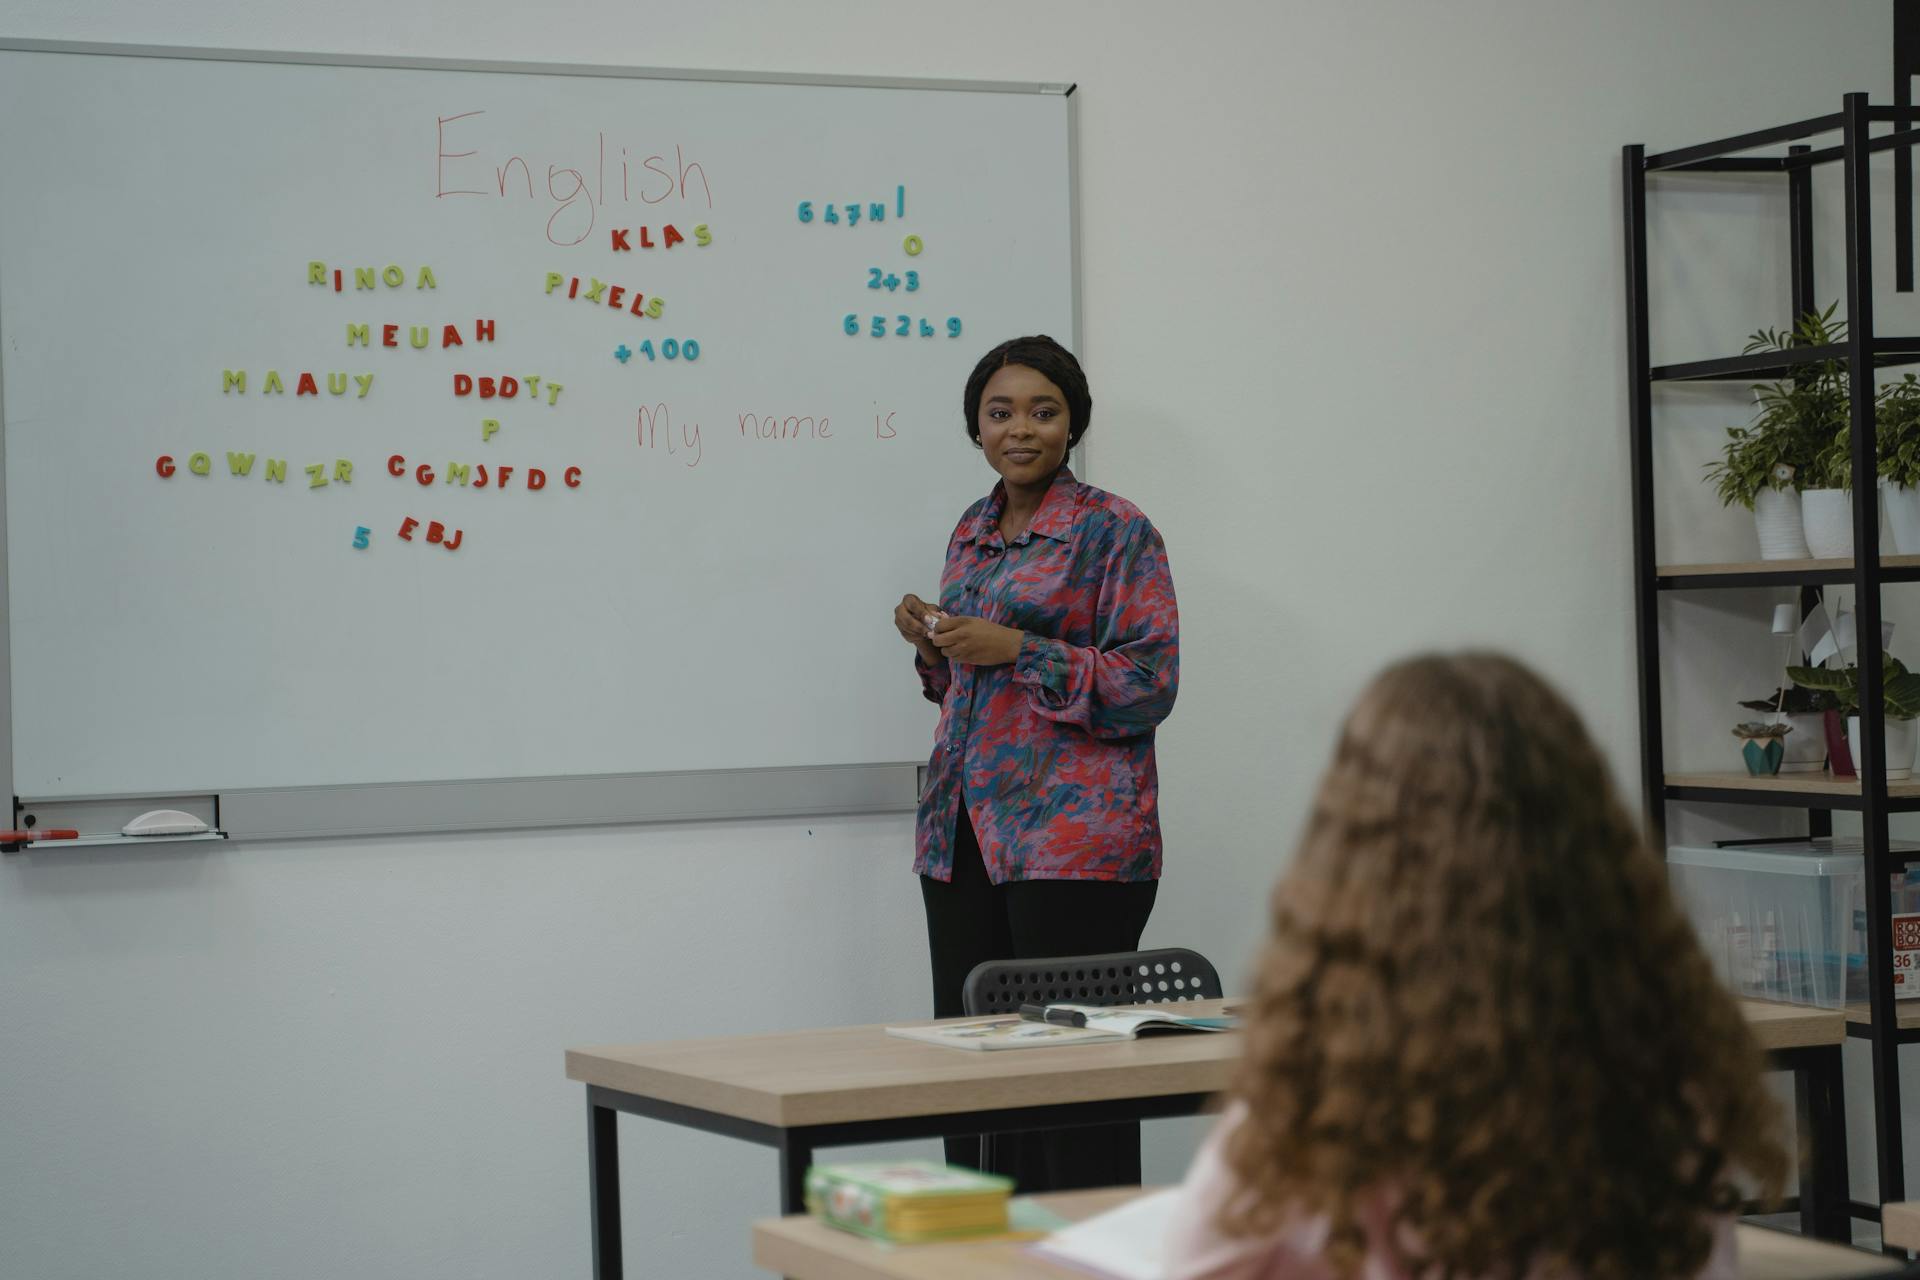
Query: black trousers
point(971, 919)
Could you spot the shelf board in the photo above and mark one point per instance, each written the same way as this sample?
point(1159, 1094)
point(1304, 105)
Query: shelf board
point(1797, 790)
point(1777, 573)
point(1766, 366)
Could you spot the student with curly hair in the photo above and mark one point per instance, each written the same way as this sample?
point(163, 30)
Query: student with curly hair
point(1483, 1041)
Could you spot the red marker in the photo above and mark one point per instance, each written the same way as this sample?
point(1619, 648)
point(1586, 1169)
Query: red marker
point(52, 833)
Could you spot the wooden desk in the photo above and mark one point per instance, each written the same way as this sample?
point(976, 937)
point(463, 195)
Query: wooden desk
point(803, 1249)
point(1900, 1224)
point(802, 1090)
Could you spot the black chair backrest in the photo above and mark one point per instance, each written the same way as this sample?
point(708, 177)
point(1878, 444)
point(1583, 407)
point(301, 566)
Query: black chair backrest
point(1160, 976)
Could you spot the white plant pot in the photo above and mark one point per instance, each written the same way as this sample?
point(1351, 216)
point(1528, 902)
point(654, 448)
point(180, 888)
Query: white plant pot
point(1900, 740)
point(1806, 746)
point(1827, 516)
point(1776, 515)
point(1903, 516)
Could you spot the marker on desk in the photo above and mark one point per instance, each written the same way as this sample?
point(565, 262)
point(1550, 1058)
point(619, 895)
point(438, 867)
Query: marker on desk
point(1047, 1013)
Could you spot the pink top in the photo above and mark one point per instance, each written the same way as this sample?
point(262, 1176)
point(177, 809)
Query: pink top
point(1196, 1249)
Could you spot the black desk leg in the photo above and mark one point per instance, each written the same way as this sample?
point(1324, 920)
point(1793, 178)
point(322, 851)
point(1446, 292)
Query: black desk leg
point(796, 1154)
point(1820, 1116)
point(603, 1188)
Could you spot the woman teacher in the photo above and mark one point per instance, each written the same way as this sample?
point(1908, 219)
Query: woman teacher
point(1053, 653)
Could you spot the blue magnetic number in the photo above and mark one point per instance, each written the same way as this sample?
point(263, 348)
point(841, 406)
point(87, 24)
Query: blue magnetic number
point(953, 326)
point(851, 324)
point(360, 537)
point(926, 330)
point(913, 281)
point(691, 350)
point(670, 348)
point(873, 281)
point(806, 211)
point(830, 215)
point(879, 326)
point(646, 348)
point(853, 214)
point(906, 327)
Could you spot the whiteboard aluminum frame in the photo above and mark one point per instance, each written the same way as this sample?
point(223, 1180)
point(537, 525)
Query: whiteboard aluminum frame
point(401, 808)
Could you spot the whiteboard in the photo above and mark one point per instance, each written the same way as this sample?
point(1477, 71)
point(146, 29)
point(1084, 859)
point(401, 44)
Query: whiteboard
point(715, 591)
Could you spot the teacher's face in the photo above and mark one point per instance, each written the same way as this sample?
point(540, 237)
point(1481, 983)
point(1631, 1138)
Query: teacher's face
point(1023, 427)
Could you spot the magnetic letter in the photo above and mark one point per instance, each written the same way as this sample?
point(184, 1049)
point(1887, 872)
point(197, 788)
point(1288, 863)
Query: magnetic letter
point(453, 543)
point(553, 393)
point(701, 236)
point(389, 335)
point(646, 241)
point(316, 475)
point(553, 280)
point(462, 384)
point(316, 273)
point(343, 470)
point(231, 381)
point(275, 470)
point(357, 333)
point(199, 464)
point(450, 337)
point(483, 331)
point(435, 530)
point(397, 465)
point(337, 384)
point(424, 474)
point(307, 386)
point(487, 389)
point(533, 384)
point(457, 471)
point(240, 464)
point(487, 427)
point(506, 474)
point(480, 476)
point(614, 295)
point(509, 387)
point(536, 478)
point(572, 478)
point(670, 237)
point(164, 465)
point(273, 383)
point(394, 277)
point(655, 305)
point(418, 334)
point(620, 240)
point(365, 383)
point(426, 279)
point(363, 277)
point(595, 289)
point(407, 527)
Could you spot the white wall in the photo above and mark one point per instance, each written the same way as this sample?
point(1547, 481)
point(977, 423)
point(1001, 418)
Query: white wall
point(1353, 319)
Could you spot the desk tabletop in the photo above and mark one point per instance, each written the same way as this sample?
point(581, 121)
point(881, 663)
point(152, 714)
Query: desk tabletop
point(803, 1249)
point(847, 1074)
point(862, 1073)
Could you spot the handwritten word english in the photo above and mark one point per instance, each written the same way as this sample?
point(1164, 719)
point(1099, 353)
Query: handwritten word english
point(578, 200)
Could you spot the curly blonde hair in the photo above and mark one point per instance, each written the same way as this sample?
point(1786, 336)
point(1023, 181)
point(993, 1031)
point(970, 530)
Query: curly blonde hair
point(1481, 1008)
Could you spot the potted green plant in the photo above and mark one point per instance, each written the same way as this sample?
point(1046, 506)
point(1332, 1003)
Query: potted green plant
point(1901, 698)
point(1804, 711)
point(1897, 431)
point(1808, 416)
point(1762, 746)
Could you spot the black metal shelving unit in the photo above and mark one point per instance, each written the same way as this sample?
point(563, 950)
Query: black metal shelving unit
point(1863, 351)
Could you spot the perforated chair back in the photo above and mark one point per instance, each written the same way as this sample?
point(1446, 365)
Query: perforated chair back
point(1161, 976)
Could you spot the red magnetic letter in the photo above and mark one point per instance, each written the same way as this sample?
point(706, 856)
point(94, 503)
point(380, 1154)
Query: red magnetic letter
point(572, 477)
point(165, 465)
point(462, 384)
point(453, 543)
point(646, 242)
point(506, 474)
point(486, 388)
point(307, 386)
point(423, 473)
point(620, 240)
point(397, 465)
point(387, 332)
point(407, 527)
point(613, 295)
point(450, 337)
point(435, 531)
point(483, 331)
point(536, 478)
point(480, 476)
point(671, 237)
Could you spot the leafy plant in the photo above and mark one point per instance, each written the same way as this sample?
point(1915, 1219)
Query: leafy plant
point(1795, 701)
point(1901, 687)
point(1897, 427)
point(1798, 436)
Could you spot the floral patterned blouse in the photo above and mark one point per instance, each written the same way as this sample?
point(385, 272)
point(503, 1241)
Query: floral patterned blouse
point(1053, 754)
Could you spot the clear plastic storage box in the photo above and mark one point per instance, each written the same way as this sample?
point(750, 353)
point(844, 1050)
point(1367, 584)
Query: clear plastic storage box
point(1781, 921)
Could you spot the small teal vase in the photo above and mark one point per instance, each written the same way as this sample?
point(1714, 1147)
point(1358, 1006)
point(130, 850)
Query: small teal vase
point(1763, 757)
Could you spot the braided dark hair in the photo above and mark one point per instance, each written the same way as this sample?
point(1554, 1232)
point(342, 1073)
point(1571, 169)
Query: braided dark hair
point(1048, 359)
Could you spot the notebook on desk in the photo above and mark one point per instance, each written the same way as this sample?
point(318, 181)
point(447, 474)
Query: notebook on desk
point(1102, 1026)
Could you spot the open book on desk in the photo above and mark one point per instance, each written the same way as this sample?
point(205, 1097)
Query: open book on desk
point(1125, 1243)
point(1102, 1026)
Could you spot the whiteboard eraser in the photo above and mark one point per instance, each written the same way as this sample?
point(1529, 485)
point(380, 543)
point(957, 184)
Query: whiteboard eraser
point(164, 822)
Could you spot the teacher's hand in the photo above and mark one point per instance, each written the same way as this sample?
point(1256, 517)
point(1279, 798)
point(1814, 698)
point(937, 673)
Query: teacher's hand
point(976, 641)
point(910, 620)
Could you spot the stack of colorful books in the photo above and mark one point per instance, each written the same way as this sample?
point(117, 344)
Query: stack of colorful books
point(908, 1201)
